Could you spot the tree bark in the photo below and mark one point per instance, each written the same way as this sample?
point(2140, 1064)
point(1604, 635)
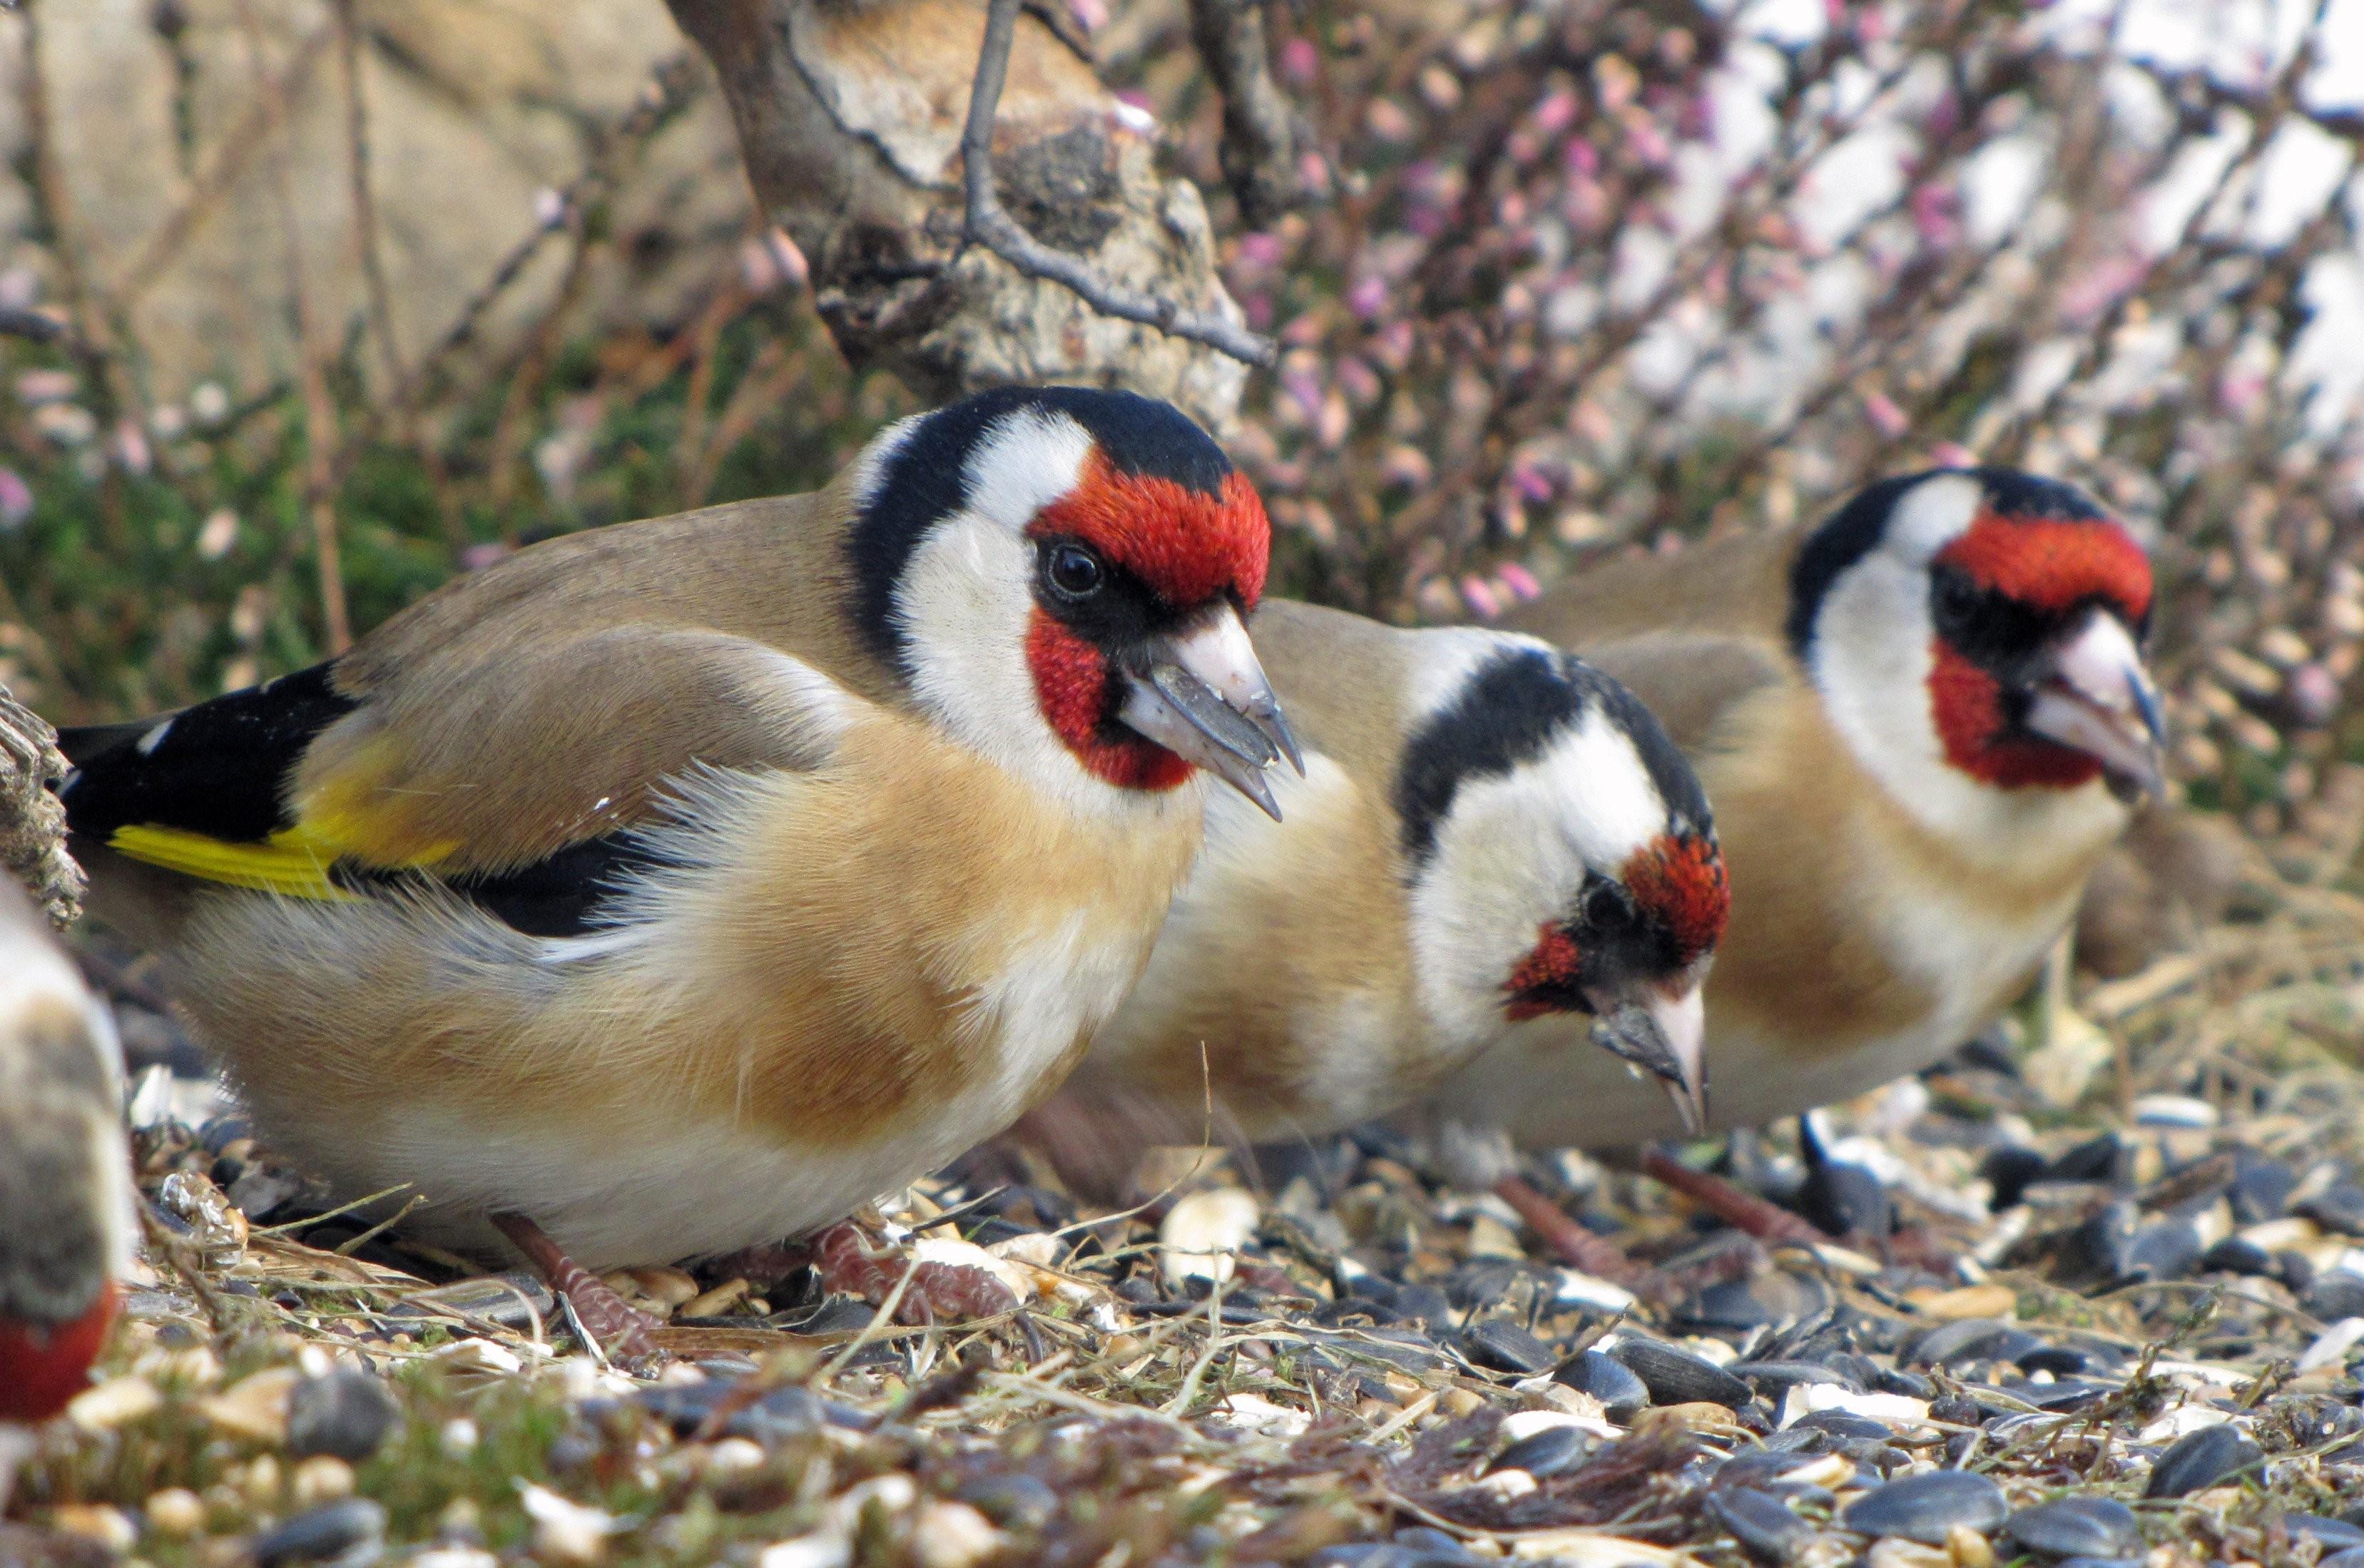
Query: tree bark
point(850, 114)
point(32, 823)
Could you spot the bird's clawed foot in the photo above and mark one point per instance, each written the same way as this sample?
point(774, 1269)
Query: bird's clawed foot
point(937, 1292)
point(623, 1332)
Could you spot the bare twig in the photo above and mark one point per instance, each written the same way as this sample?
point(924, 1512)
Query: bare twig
point(319, 409)
point(1259, 146)
point(988, 223)
point(357, 166)
point(36, 325)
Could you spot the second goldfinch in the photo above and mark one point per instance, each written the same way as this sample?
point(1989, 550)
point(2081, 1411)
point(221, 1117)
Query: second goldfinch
point(676, 887)
point(1488, 830)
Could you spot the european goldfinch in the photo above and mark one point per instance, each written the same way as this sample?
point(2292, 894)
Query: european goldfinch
point(1921, 724)
point(65, 1174)
point(676, 887)
point(1488, 830)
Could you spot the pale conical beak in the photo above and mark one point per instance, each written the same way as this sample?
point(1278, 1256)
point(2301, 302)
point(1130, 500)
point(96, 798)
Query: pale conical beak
point(1203, 696)
point(1663, 1033)
point(2099, 700)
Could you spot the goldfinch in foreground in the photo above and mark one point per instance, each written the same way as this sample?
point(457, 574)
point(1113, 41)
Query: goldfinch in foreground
point(677, 887)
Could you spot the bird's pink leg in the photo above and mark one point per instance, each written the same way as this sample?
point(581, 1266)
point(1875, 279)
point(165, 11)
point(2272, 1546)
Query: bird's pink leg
point(938, 1292)
point(622, 1331)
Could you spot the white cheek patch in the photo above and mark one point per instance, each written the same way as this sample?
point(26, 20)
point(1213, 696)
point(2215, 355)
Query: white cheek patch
point(1023, 464)
point(961, 607)
point(1513, 852)
point(1932, 515)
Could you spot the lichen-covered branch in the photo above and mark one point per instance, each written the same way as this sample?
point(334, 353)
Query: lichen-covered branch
point(988, 223)
point(32, 823)
point(1086, 264)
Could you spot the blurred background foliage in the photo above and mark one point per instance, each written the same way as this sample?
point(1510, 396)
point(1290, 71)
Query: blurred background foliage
point(360, 295)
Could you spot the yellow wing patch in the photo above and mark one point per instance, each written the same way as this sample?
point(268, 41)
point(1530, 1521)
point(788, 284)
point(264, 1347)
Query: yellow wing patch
point(292, 861)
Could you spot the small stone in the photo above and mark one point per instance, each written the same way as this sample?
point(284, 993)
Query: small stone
point(2168, 1249)
point(1925, 1507)
point(2238, 1255)
point(2077, 1527)
point(1762, 1524)
point(1772, 1377)
point(1983, 1301)
point(110, 1527)
point(345, 1415)
point(1489, 1237)
point(717, 1301)
point(1503, 1346)
point(255, 1406)
point(1965, 1340)
point(1968, 1548)
point(668, 1287)
point(1546, 1453)
point(2335, 1293)
point(1202, 1232)
point(1678, 1377)
point(2200, 1460)
point(952, 1535)
point(2339, 1208)
point(2261, 1187)
point(175, 1511)
point(1016, 1501)
point(565, 1531)
point(323, 1478)
point(2336, 1535)
point(321, 1533)
point(115, 1403)
point(1622, 1395)
point(1895, 1551)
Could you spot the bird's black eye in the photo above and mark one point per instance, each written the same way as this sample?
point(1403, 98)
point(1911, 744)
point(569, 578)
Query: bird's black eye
point(1958, 598)
point(1604, 906)
point(1072, 572)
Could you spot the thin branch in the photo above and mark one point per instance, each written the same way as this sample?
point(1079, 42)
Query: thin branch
point(364, 200)
point(312, 353)
point(1259, 145)
point(988, 223)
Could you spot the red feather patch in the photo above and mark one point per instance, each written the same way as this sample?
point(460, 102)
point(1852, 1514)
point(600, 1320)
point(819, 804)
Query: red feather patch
point(1966, 705)
point(1071, 682)
point(2053, 564)
point(41, 1368)
point(1554, 963)
point(1187, 547)
point(1681, 883)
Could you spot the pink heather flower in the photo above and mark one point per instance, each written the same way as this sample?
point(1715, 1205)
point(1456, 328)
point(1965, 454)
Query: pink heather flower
point(1358, 381)
point(1697, 120)
point(1304, 389)
point(1936, 210)
point(1299, 61)
point(1647, 144)
point(1511, 210)
point(1517, 581)
point(1952, 454)
point(1435, 600)
point(1368, 297)
point(2238, 392)
point(1090, 15)
point(16, 499)
point(1885, 416)
point(476, 557)
point(1392, 346)
point(129, 448)
point(1260, 248)
point(1388, 121)
point(1257, 308)
point(1313, 173)
point(1582, 157)
point(1530, 482)
point(1555, 113)
point(1478, 595)
point(1408, 466)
